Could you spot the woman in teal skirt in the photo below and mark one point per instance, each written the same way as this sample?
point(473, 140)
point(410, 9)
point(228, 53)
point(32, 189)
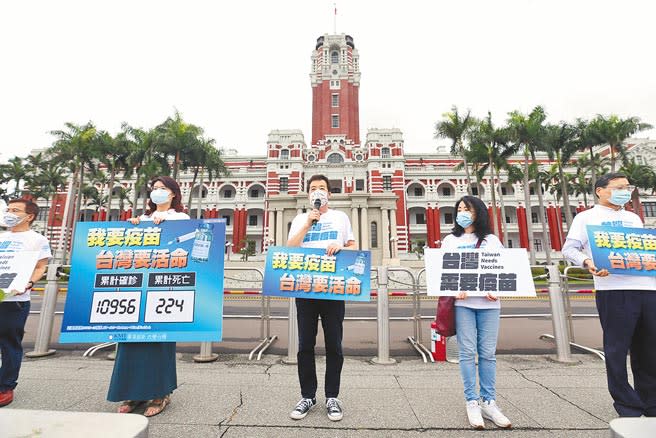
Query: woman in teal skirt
point(144, 372)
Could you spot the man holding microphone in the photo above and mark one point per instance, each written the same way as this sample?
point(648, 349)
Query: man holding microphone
point(321, 227)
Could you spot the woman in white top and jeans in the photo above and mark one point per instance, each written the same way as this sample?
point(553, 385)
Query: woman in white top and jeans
point(477, 318)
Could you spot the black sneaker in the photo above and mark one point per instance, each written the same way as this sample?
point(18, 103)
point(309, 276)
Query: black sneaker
point(334, 409)
point(302, 408)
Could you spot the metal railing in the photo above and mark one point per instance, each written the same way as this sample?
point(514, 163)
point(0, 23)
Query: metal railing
point(558, 289)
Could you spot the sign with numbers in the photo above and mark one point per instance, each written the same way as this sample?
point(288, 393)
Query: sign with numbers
point(311, 273)
point(623, 250)
point(146, 282)
point(501, 272)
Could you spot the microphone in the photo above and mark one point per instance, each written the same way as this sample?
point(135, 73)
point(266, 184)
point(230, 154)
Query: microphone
point(317, 205)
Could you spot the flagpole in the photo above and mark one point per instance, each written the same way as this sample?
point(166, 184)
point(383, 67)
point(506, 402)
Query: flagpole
point(335, 19)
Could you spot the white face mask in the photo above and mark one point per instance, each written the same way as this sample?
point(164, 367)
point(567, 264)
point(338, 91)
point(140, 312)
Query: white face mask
point(320, 195)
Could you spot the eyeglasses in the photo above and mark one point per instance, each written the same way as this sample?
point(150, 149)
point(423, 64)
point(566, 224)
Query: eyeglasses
point(629, 188)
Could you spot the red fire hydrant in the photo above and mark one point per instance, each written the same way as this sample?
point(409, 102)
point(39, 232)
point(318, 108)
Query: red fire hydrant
point(438, 344)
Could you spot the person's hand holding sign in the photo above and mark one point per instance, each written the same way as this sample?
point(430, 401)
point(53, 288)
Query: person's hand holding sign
point(333, 249)
point(590, 266)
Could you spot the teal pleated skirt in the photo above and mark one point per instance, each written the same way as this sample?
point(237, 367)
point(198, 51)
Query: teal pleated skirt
point(143, 371)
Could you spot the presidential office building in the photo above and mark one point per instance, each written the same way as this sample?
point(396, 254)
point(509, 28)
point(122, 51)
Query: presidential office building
point(396, 199)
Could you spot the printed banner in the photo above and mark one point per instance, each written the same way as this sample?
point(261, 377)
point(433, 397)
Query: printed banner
point(502, 272)
point(310, 273)
point(622, 250)
point(15, 267)
point(146, 282)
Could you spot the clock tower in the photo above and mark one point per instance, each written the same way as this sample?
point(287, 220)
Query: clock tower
point(335, 79)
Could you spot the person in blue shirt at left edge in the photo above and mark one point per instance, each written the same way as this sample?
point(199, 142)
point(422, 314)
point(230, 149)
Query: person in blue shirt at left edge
point(330, 229)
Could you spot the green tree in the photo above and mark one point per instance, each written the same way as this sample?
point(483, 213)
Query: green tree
point(177, 139)
point(456, 127)
point(204, 157)
point(561, 143)
point(489, 147)
point(526, 132)
point(641, 176)
point(113, 153)
point(75, 148)
point(613, 130)
point(15, 171)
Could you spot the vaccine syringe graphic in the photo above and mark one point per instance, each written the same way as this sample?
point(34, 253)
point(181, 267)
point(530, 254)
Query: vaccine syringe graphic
point(183, 238)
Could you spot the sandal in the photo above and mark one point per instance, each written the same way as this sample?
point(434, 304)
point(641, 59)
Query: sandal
point(128, 406)
point(156, 406)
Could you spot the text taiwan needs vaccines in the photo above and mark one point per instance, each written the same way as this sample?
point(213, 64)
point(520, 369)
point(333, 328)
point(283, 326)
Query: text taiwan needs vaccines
point(202, 242)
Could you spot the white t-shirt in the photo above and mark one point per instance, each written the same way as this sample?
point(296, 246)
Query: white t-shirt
point(469, 241)
point(333, 227)
point(169, 215)
point(26, 241)
point(577, 246)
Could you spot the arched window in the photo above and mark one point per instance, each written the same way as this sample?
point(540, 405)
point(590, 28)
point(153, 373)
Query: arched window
point(284, 154)
point(335, 158)
point(374, 235)
point(334, 57)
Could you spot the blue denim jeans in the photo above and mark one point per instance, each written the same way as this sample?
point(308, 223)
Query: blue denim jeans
point(477, 331)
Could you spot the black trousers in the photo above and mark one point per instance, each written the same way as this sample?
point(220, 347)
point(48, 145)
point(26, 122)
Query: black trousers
point(628, 320)
point(332, 317)
point(13, 315)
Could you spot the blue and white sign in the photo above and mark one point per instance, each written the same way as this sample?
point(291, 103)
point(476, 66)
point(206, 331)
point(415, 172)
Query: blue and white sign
point(311, 273)
point(146, 282)
point(623, 250)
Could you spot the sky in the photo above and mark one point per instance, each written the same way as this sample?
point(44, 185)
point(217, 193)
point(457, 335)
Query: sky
point(240, 69)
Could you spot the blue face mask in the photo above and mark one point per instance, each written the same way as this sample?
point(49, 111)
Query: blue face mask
point(11, 220)
point(159, 196)
point(619, 197)
point(464, 219)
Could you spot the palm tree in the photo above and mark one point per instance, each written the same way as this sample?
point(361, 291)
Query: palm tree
point(456, 128)
point(640, 175)
point(526, 132)
point(144, 162)
point(613, 130)
point(177, 138)
point(75, 149)
point(15, 170)
point(204, 157)
point(489, 142)
point(114, 153)
point(561, 143)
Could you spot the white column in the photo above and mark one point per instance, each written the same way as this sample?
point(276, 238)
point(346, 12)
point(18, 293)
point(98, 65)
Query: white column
point(355, 224)
point(271, 230)
point(279, 229)
point(365, 229)
point(395, 239)
point(385, 235)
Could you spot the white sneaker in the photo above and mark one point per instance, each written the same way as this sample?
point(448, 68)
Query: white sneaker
point(474, 415)
point(491, 411)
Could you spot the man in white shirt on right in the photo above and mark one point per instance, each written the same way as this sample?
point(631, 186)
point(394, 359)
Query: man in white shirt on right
point(626, 303)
